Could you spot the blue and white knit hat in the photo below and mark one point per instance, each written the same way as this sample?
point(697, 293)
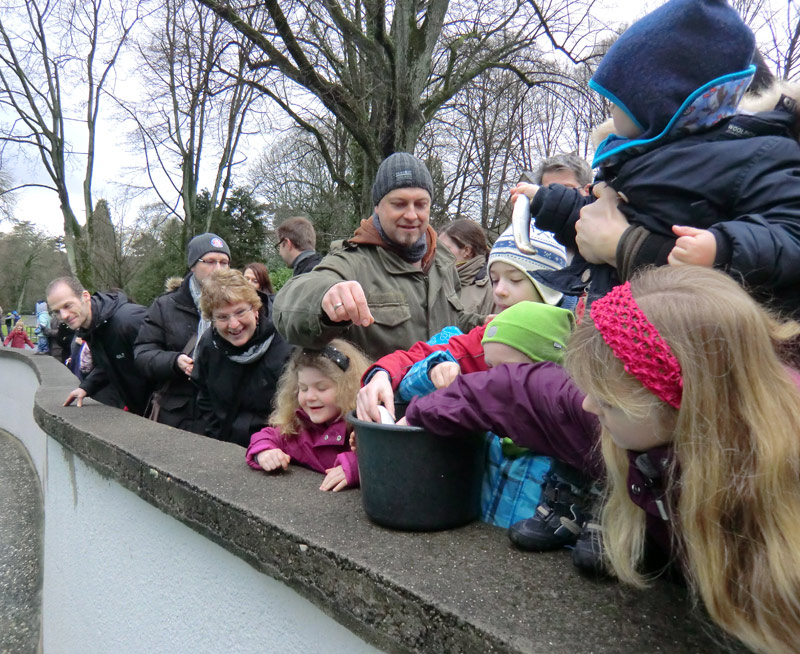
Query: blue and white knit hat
point(550, 255)
point(663, 63)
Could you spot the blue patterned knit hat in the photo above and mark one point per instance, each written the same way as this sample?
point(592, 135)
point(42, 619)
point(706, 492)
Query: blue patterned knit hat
point(550, 255)
point(686, 56)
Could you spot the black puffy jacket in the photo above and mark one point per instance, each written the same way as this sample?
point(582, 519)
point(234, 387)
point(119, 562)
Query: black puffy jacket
point(170, 323)
point(740, 180)
point(111, 335)
point(235, 399)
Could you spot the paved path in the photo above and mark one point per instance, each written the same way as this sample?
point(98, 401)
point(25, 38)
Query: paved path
point(21, 531)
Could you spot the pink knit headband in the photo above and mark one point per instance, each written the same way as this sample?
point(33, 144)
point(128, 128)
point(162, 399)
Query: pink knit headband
point(636, 342)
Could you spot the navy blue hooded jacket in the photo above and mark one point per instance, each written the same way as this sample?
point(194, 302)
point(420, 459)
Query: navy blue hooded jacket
point(740, 180)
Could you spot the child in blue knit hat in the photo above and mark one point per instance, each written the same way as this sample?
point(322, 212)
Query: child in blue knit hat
point(687, 179)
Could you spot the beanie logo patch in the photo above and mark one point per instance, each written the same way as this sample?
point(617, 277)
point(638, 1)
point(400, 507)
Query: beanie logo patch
point(404, 177)
point(217, 242)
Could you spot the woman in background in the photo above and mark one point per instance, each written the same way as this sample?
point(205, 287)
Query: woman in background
point(258, 275)
point(466, 240)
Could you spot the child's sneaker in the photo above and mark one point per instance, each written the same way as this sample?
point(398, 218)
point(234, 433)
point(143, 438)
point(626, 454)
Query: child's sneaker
point(587, 555)
point(560, 514)
point(550, 527)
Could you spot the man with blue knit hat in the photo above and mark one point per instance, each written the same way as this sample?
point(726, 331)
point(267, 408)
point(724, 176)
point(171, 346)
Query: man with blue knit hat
point(686, 179)
point(386, 287)
point(166, 342)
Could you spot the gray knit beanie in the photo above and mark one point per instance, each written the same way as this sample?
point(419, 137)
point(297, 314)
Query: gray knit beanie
point(202, 244)
point(401, 170)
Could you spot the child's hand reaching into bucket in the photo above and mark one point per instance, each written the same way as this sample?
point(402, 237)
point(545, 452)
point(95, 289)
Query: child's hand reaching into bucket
point(444, 374)
point(335, 479)
point(273, 459)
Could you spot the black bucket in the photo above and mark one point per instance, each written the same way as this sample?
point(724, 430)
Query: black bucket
point(417, 481)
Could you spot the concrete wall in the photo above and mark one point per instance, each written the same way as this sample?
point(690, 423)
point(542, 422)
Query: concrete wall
point(122, 576)
point(164, 541)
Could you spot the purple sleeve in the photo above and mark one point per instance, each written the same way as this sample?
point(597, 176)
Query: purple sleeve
point(349, 462)
point(268, 438)
point(537, 405)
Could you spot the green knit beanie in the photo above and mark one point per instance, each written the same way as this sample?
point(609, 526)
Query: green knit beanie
point(539, 331)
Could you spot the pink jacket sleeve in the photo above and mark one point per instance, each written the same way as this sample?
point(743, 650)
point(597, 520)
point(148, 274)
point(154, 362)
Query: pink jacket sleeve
point(268, 438)
point(349, 463)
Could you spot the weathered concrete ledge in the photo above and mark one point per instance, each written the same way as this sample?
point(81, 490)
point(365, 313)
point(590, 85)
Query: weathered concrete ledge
point(464, 590)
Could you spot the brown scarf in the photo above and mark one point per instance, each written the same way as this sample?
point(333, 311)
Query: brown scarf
point(367, 234)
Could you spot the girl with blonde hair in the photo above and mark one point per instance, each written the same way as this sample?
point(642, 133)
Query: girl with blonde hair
point(316, 390)
point(699, 421)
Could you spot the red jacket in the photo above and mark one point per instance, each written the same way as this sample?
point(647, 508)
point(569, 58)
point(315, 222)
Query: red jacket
point(466, 348)
point(18, 339)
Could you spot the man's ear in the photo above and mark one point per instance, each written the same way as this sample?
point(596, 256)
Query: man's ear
point(85, 296)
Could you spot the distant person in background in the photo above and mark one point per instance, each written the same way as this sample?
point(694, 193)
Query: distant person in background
point(296, 242)
point(42, 328)
point(467, 241)
point(60, 338)
point(258, 275)
point(239, 360)
point(566, 169)
point(18, 337)
point(167, 341)
point(109, 324)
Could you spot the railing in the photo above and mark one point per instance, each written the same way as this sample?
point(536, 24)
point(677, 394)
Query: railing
point(160, 540)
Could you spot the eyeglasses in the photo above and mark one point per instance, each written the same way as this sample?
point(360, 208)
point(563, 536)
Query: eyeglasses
point(281, 241)
point(222, 263)
point(225, 319)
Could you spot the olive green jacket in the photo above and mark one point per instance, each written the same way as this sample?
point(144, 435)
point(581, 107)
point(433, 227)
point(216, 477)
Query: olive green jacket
point(408, 306)
point(476, 286)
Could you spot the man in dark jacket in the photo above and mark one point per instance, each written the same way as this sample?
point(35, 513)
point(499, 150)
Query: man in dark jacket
point(296, 242)
point(164, 349)
point(108, 322)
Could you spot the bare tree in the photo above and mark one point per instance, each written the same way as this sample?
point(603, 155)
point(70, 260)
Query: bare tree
point(776, 24)
point(193, 115)
point(384, 71)
point(54, 52)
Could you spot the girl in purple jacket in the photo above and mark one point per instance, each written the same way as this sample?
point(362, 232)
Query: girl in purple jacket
point(699, 421)
point(316, 390)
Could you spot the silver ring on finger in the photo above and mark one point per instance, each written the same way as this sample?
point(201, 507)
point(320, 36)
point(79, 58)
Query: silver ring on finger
point(337, 305)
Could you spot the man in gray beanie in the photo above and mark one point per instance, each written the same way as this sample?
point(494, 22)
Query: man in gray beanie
point(164, 349)
point(386, 287)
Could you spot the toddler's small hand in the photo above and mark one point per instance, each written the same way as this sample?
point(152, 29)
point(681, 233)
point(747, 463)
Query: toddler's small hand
point(443, 374)
point(273, 459)
point(335, 479)
point(523, 189)
point(694, 247)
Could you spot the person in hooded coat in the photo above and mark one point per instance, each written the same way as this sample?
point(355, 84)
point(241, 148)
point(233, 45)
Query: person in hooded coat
point(167, 341)
point(239, 360)
point(108, 322)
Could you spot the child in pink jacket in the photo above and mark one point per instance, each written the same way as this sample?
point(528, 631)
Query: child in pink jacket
point(18, 337)
point(317, 389)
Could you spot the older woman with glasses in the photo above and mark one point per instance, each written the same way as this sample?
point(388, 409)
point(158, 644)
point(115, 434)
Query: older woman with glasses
point(239, 360)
